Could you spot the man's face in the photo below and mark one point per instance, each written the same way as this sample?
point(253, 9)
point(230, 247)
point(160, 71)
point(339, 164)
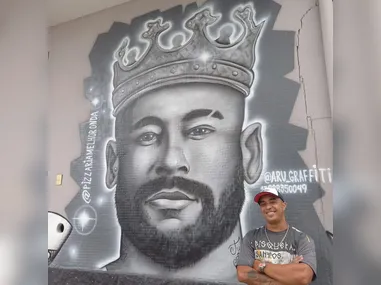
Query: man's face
point(180, 180)
point(272, 208)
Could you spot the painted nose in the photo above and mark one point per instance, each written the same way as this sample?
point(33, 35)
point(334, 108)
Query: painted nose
point(173, 162)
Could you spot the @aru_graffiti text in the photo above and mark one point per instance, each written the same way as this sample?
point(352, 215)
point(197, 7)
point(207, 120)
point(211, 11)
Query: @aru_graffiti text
point(296, 181)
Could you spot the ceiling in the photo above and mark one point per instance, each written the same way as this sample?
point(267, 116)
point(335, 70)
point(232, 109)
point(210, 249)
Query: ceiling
point(60, 11)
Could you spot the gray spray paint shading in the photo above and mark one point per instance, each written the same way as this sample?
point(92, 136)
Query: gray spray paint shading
point(274, 99)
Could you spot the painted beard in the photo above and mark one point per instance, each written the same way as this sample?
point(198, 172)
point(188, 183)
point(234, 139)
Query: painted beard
point(187, 246)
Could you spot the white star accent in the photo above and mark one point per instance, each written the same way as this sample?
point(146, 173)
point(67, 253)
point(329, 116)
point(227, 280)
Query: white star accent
point(84, 219)
point(73, 252)
point(204, 56)
point(100, 201)
point(95, 101)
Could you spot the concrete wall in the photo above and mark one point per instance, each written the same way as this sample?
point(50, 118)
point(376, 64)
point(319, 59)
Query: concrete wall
point(290, 101)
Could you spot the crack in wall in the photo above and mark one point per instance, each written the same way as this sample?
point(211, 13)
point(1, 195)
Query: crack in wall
point(313, 133)
point(322, 118)
point(303, 86)
point(301, 78)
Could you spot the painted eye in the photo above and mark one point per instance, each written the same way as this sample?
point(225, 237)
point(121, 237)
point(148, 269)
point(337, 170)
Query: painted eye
point(200, 133)
point(147, 138)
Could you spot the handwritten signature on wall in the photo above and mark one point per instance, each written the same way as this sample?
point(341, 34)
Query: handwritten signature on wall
point(234, 249)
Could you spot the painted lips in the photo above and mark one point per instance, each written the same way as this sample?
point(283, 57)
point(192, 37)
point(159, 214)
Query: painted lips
point(176, 200)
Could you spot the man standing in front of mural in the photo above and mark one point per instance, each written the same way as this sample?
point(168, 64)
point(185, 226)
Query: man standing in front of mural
point(180, 157)
point(276, 250)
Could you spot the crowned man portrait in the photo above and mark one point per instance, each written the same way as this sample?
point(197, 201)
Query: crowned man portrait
point(181, 152)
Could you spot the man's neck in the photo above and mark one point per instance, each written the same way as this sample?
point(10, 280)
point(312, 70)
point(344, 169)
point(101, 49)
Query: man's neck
point(222, 257)
point(278, 227)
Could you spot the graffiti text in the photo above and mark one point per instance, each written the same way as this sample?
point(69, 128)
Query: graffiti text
point(89, 154)
point(294, 181)
point(287, 188)
point(234, 249)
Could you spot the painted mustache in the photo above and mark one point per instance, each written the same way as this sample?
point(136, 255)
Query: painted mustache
point(186, 189)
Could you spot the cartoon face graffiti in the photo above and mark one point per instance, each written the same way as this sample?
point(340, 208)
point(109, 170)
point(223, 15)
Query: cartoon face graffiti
point(179, 161)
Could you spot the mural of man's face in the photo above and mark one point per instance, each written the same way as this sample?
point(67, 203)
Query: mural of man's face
point(179, 162)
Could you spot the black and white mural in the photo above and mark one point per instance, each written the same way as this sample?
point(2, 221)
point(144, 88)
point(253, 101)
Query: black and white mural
point(190, 118)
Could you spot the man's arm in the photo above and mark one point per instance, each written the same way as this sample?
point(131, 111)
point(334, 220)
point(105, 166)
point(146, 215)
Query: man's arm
point(288, 274)
point(245, 271)
point(248, 275)
point(302, 273)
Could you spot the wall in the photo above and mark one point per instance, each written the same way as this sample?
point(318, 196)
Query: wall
point(287, 142)
point(22, 146)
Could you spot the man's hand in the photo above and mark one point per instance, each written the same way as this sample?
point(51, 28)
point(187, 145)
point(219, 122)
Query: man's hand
point(248, 275)
point(256, 265)
point(297, 259)
point(294, 273)
point(280, 278)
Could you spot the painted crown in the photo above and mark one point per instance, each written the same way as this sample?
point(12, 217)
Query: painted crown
point(200, 59)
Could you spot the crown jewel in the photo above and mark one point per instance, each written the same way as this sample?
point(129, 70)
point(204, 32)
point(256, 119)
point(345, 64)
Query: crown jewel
point(200, 59)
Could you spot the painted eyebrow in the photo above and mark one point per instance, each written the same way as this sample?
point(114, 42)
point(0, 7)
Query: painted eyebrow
point(150, 120)
point(198, 113)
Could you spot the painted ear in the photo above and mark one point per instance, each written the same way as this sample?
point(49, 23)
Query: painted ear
point(252, 152)
point(112, 164)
